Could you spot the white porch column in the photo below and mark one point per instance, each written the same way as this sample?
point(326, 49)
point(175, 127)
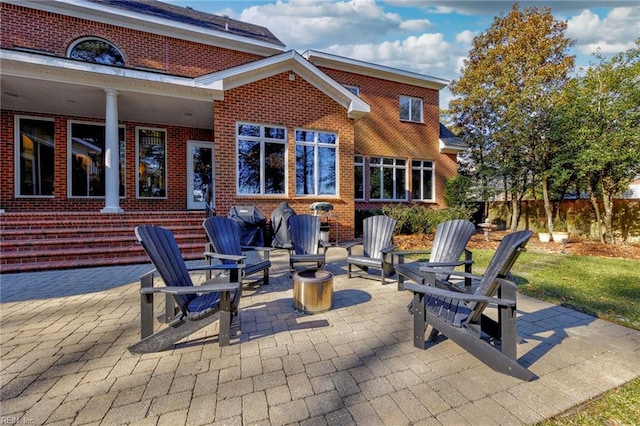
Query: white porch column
point(112, 160)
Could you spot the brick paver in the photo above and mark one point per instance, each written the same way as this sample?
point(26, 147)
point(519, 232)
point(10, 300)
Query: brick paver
point(64, 359)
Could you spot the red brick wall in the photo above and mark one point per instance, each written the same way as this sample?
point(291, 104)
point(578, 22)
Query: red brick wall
point(177, 138)
point(29, 28)
point(294, 104)
point(381, 133)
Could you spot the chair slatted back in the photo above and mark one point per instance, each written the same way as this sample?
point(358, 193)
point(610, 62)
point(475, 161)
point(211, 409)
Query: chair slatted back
point(224, 235)
point(377, 233)
point(499, 267)
point(305, 233)
point(450, 240)
point(163, 251)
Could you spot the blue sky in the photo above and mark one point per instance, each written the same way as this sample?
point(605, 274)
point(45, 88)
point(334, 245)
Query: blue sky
point(428, 37)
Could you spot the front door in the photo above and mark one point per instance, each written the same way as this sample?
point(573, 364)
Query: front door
point(200, 173)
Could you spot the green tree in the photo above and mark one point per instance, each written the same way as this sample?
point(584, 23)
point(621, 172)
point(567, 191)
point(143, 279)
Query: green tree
point(600, 117)
point(505, 95)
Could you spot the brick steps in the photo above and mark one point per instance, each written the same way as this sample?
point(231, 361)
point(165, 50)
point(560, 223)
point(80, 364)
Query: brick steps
point(47, 241)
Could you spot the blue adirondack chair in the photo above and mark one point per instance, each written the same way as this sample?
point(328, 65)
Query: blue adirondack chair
point(224, 245)
point(377, 236)
point(307, 247)
point(449, 243)
point(199, 305)
point(461, 316)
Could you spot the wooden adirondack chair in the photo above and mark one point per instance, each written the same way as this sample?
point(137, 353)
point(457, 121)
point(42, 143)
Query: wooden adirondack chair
point(377, 235)
point(449, 243)
point(461, 316)
point(224, 245)
point(307, 245)
point(199, 305)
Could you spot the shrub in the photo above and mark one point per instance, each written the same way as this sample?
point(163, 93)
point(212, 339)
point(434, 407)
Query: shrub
point(419, 219)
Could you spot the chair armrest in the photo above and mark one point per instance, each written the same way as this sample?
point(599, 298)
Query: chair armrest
point(234, 257)
point(223, 267)
point(389, 249)
point(429, 269)
point(402, 253)
point(350, 245)
point(207, 287)
point(441, 264)
point(257, 248)
point(465, 297)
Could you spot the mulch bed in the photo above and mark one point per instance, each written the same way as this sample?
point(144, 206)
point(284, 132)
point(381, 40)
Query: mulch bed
point(575, 246)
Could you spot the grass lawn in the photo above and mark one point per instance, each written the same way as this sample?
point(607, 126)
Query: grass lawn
point(603, 287)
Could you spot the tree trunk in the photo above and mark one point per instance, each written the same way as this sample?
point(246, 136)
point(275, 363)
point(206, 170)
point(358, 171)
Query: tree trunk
point(607, 204)
point(515, 212)
point(596, 209)
point(547, 204)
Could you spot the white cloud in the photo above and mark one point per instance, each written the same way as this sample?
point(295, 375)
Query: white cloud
point(415, 25)
point(614, 33)
point(303, 24)
point(466, 37)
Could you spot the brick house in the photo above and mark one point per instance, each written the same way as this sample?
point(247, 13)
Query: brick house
point(118, 107)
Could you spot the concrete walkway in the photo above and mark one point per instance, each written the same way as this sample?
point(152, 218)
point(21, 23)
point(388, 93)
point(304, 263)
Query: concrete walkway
point(65, 359)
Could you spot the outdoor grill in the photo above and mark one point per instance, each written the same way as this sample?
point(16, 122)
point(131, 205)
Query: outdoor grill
point(252, 223)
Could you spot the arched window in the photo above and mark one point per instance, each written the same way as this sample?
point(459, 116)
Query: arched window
point(96, 50)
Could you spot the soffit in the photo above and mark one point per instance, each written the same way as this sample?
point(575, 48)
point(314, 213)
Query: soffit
point(61, 86)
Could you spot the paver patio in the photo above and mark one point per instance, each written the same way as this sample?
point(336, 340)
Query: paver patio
point(64, 337)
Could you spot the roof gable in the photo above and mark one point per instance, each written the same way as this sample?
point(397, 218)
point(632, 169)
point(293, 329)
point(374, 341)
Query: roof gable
point(288, 61)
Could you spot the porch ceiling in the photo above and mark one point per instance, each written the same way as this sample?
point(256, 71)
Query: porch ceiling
point(40, 96)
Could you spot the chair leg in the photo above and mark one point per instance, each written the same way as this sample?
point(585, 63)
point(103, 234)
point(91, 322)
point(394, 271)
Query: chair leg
point(382, 274)
point(349, 270)
point(225, 319)
point(265, 278)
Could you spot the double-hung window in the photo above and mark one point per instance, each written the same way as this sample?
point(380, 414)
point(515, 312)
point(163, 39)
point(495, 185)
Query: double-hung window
point(35, 151)
point(261, 159)
point(388, 179)
point(422, 180)
point(87, 163)
point(316, 162)
point(410, 109)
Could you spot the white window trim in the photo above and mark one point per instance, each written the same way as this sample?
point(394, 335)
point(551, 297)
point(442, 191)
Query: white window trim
point(137, 164)
point(422, 169)
point(410, 98)
point(393, 166)
point(16, 147)
point(262, 139)
point(317, 145)
point(364, 177)
point(70, 153)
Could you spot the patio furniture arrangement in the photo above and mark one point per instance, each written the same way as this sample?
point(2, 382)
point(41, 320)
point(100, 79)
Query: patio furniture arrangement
point(225, 247)
point(307, 245)
point(376, 246)
point(449, 243)
point(312, 291)
point(199, 305)
point(461, 316)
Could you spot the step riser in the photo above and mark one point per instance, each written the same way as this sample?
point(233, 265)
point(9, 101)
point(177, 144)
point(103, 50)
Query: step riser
point(32, 242)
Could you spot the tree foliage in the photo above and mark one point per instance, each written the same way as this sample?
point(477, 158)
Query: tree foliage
point(599, 116)
point(504, 98)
